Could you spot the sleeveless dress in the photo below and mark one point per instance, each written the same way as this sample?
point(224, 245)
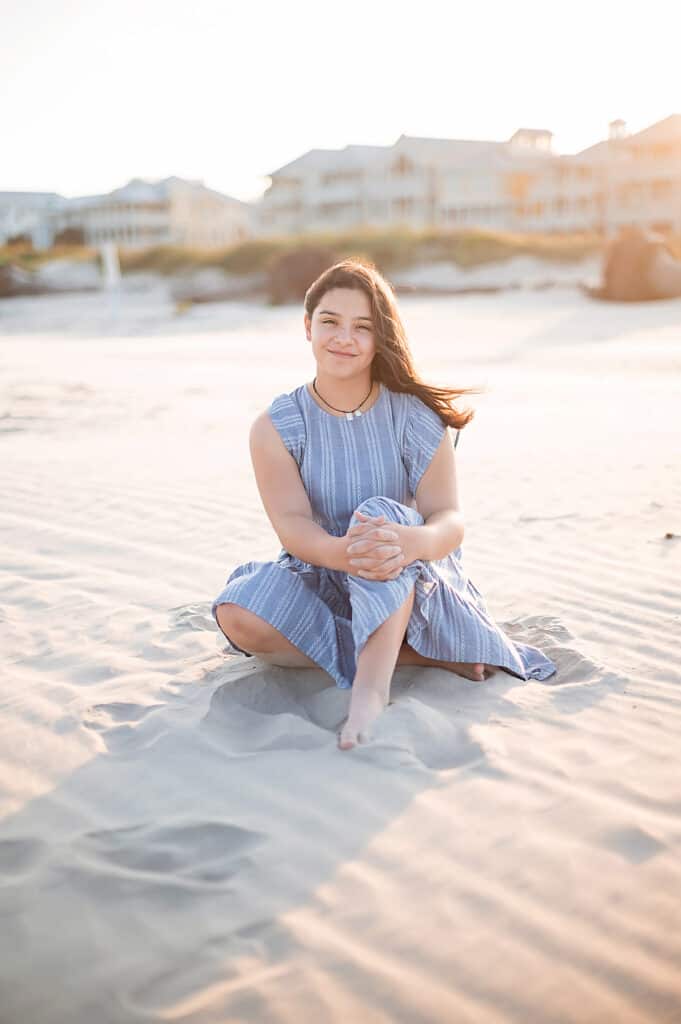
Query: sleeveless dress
point(373, 463)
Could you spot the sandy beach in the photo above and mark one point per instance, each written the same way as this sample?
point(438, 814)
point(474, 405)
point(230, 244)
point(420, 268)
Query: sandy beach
point(180, 838)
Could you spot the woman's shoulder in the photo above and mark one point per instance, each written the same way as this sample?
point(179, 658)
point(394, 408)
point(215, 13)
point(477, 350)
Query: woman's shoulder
point(285, 412)
point(410, 408)
point(288, 402)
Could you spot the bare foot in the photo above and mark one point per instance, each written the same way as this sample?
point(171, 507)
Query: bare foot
point(477, 672)
point(365, 707)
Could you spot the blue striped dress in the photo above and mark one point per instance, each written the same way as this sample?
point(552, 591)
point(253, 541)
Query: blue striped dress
point(373, 463)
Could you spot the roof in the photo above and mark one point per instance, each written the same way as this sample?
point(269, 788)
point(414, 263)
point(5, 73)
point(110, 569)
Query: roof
point(138, 190)
point(445, 151)
point(321, 159)
point(30, 198)
point(432, 150)
point(532, 131)
point(664, 130)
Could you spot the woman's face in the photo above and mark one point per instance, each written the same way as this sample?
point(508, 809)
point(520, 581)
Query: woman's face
point(342, 333)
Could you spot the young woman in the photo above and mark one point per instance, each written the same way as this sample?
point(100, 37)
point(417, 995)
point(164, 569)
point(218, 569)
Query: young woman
point(357, 475)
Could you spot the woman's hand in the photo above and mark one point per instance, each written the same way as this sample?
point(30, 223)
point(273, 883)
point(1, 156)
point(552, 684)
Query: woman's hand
point(377, 550)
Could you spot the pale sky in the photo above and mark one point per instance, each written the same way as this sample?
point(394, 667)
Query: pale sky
point(95, 92)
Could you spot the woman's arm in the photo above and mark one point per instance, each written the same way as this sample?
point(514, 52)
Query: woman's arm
point(288, 507)
point(437, 500)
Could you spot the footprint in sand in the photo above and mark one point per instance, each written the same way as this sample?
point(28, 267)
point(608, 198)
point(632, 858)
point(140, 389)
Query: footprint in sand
point(412, 731)
point(20, 856)
point(632, 843)
point(117, 724)
point(273, 708)
point(209, 852)
point(550, 635)
point(192, 616)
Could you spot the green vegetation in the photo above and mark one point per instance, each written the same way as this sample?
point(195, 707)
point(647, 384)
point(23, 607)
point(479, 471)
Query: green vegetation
point(389, 250)
point(22, 254)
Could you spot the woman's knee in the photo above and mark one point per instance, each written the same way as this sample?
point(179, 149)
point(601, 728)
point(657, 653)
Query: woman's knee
point(243, 628)
point(379, 505)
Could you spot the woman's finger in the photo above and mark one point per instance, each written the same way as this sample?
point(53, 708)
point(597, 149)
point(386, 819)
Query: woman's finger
point(370, 557)
point(366, 544)
point(380, 532)
point(380, 577)
point(382, 569)
point(358, 527)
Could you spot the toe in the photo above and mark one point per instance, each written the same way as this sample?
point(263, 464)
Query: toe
point(345, 739)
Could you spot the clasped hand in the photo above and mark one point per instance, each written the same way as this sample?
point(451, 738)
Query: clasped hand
point(377, 550)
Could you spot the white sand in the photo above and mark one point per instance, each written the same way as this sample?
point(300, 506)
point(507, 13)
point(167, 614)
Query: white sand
point(180, 838)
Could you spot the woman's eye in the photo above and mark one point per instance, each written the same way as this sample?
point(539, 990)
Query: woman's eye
point(362, 327)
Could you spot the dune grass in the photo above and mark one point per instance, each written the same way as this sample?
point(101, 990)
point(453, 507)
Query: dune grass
point(390, 250)
point(22, 254)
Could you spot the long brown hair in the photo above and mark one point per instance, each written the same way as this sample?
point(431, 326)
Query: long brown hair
point(393, 363)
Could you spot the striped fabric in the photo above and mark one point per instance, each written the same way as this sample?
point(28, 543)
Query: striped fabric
point(373, 463)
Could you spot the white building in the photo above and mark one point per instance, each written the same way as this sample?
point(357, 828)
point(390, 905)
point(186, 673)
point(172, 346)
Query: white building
point(623, 181)
point(142, 213)
point(168, 212)
point(26, 214)
point(517, 185)
point(417, 182)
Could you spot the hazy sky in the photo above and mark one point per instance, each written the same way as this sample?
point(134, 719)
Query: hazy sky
point(94, 93)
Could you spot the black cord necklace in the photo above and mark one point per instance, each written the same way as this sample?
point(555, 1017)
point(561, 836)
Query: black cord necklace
point(349, 413)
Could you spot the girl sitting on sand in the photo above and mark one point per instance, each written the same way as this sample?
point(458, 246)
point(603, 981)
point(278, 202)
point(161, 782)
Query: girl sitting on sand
point(357, 474)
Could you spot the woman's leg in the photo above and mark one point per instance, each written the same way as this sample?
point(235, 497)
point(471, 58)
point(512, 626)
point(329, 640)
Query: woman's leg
point(375, 666)
point(469, 670)
point(255, 635)
point(251, 633)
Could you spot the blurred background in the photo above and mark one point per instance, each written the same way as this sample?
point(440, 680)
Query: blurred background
point(212, 151)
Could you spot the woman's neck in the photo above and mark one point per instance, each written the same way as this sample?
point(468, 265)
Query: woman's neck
point(345, 394)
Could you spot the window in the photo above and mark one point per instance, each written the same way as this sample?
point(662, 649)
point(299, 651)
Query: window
point(661, 189)
point(402, 166)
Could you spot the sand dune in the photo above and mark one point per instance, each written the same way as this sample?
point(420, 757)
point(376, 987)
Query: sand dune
point(180, 839)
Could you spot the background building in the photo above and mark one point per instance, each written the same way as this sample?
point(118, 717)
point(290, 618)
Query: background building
point(517, 185)
point(417, 182)
point(623, 181)
point(26, 214)
point(142, 213)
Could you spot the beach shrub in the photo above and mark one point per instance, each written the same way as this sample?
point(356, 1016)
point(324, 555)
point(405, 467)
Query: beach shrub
point(24, 255)
point(69, 236)
point(292, 272)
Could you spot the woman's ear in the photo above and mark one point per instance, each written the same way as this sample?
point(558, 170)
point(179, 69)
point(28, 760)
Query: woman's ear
point(308, 327)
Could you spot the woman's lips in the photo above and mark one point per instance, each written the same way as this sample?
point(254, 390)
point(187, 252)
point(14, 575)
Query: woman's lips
point(342, 355)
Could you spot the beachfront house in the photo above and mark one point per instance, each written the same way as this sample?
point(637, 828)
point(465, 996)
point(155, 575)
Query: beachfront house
point(417, 183)
point(172, 211)
point(517, 185)
point(25, 215)
point(625, 180)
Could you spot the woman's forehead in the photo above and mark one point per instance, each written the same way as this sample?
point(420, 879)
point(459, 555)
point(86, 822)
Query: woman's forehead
point(347, 301)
